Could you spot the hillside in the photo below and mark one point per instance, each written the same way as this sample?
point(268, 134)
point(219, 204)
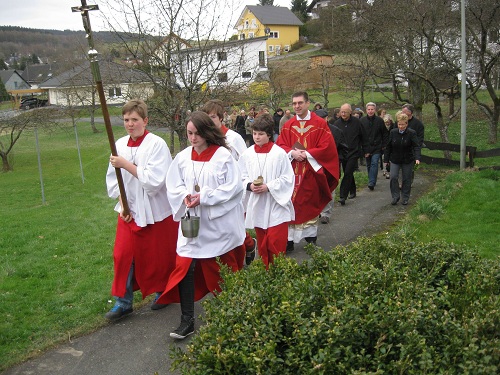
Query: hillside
point(53, 45)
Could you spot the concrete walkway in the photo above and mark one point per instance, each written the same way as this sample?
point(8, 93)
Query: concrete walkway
point(139, 343)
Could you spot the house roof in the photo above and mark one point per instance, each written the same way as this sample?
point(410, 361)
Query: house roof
point(111, 73)
point(214, 45)
point(271, 15)
point(39, 72)
point(5, 75)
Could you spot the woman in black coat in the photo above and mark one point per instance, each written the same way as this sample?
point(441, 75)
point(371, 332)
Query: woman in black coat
point(403, 151)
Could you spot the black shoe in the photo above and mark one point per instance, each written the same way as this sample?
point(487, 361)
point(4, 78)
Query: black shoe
point(250, 254)
point(311, 240)
point(289, 247)
point(371, 187)
point(405, 202)
point(352, 196)
point(117, 312)
point(185, 329)
point(395, 201)
point(158, 306)
point(325, 219)
point(342, 201)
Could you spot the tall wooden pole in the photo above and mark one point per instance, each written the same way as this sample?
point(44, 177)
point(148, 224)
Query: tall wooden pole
point(94, 65)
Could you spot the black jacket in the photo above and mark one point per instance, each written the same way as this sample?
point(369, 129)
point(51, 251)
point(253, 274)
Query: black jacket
point(417, 125)
point(338, 137)
point(402, 148)
point(374, 133)
point(239, 123)
point(353, 135)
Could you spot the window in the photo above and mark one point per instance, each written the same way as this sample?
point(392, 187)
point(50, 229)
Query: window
point(115, 91)
point(222, 77)
point(221, 56)
point(242, 36)
point(254, 24)
point(250, 35)
point(262, 58)
point(271, 48)
point(246, 75)
point(246, 24)
point(274, 34)
point(287, 48)
point(277, 49)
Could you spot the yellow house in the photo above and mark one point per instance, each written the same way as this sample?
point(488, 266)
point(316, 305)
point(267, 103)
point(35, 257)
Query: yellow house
point(279, 24)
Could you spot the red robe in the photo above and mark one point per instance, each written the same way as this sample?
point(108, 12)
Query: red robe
point(207, 271)
point(312, 190)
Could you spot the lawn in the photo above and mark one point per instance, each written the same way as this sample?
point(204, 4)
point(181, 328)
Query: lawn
point(56, 258)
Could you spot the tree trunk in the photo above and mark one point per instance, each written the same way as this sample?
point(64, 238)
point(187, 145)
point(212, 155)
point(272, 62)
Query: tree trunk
point(172, 140)
point(442, 126)
point(92, 114)
point(6, 167)
point(493, 128)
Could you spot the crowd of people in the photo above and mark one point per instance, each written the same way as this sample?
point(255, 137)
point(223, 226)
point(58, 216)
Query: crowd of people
point(275, 174)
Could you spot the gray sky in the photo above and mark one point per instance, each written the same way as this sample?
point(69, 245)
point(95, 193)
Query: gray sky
point(57, 14)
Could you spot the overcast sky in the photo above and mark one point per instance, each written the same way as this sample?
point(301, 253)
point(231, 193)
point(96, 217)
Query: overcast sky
point(57, 14)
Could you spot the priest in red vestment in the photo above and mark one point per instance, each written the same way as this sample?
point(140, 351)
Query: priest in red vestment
point(309, 144)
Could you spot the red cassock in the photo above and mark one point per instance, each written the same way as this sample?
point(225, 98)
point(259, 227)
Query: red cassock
point(152, 248)
point(312, 190)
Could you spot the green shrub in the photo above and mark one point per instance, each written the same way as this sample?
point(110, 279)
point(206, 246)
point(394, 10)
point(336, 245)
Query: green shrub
point(375, 307)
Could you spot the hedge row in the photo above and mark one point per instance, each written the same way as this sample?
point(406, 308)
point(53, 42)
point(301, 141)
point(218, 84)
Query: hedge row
point(374, 307)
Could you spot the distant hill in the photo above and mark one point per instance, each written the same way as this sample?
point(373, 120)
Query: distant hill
point(54, 45)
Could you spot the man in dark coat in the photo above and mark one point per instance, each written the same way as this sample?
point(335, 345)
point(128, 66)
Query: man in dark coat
point(351, 127)
point(374, 133)
point(239, 124)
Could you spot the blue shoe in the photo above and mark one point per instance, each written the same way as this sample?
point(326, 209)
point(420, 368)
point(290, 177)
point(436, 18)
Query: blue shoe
point(117, 312)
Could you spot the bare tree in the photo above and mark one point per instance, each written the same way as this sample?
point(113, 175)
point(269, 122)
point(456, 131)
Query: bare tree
point(12, 127)
point(181, 46)
point(483, 18)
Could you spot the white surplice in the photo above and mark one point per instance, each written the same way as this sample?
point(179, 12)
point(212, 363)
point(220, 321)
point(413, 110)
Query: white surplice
point(220, 210)
point(235, 143)
point(146, 194)
point(275, 206)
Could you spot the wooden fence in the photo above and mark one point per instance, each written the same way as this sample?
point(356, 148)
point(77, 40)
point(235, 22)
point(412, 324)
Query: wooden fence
point(471, 154)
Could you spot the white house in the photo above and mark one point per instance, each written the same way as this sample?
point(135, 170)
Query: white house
point(216, 65)
point(76, 87)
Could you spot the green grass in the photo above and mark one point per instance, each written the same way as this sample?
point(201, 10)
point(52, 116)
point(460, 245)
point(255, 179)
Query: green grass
point(463, 209)
point(56, 263)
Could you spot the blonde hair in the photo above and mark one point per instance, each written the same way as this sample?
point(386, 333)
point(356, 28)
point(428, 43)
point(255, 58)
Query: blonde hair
point(400, 116)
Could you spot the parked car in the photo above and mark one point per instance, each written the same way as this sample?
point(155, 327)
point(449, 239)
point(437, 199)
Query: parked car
point(28, 103)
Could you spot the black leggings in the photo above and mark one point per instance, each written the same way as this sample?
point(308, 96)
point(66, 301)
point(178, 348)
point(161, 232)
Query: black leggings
point(186, 292)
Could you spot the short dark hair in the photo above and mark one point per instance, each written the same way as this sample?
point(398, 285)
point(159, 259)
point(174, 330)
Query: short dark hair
point(207, 129)
point(136, 105)
point(264, 123)
point(409, 107)
point(214, 105)
point(301, 93)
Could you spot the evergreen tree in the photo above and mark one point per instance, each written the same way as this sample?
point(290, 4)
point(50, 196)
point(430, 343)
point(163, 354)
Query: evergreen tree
point(3, 65)
point(266, 2)
point(4, 95)
point(299, 7)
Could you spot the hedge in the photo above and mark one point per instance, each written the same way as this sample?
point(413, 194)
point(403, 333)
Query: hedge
point(374, 307)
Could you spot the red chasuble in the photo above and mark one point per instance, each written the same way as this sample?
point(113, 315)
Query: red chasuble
point(312, 190)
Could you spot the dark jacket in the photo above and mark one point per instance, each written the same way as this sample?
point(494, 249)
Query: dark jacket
point(239, 124)
point(277, 117)
point(417, 125)
point(353, 136)
point(338, 137)
point(402, 148)
point(374, 133)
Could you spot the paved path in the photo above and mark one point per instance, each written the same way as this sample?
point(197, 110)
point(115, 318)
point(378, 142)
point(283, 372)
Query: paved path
point(139, 343)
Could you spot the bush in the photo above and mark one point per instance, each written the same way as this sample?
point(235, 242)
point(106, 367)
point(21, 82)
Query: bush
point(375, 307)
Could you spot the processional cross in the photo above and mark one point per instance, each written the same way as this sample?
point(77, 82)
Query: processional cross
point(94, 66)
